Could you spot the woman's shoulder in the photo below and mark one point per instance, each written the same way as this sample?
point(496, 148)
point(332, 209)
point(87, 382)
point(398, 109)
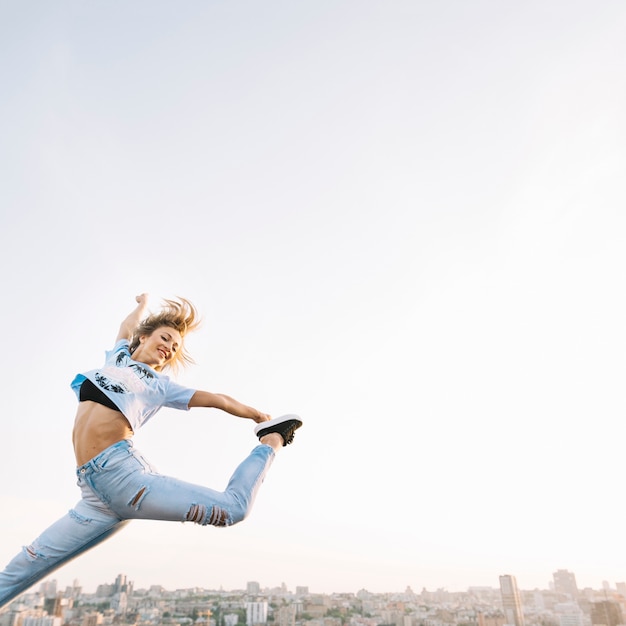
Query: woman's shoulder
point(120, 352)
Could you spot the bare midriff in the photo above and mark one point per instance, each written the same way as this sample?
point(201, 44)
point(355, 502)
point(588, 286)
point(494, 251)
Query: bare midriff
point(96, 428)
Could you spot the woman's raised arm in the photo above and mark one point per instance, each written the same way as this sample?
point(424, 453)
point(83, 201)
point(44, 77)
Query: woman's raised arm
point(129, 325)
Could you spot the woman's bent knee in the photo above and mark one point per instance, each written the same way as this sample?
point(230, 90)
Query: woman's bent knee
point(214, 515)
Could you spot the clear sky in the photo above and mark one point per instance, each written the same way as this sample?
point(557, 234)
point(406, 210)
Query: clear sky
point(403, 220)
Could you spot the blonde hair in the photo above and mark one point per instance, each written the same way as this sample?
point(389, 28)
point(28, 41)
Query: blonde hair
point(179, 314)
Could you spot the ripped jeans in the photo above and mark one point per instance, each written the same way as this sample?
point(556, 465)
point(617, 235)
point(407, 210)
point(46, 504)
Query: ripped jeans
point(118, 485)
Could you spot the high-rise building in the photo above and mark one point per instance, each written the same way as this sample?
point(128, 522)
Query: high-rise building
point(253, 588)
point(48, 588)
point(122, 584)
point(511, 601)
point(256, 613)
point(606, 613)
point(565, 582)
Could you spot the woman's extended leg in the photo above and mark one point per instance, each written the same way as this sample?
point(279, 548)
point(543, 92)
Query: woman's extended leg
point(134, 490)
point(82, 528)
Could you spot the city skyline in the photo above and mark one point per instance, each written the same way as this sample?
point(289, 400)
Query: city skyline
point(560, 581)
point(121, 602)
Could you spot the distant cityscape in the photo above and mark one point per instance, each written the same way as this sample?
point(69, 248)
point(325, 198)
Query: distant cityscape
point(119, 603)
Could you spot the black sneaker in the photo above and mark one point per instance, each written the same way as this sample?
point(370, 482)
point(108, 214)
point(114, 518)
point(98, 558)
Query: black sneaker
point(285, 426)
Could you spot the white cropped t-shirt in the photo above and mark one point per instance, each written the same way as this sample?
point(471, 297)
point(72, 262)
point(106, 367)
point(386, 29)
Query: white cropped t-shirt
point(136, 389)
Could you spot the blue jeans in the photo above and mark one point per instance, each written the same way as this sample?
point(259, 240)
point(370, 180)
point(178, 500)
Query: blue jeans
point(119, 485)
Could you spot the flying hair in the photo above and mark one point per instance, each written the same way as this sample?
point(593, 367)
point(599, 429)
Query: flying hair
point(179, 314)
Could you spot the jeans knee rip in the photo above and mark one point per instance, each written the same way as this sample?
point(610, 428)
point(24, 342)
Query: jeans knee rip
point(34, 552)
point(31, 553)
point(198, 514)
point(138, 497)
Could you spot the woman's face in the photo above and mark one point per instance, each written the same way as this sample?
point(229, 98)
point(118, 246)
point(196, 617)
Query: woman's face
point(158, 348)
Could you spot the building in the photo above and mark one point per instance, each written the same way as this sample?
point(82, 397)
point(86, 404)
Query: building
point(316, 606)
point(11, 618)
point(123, 585)
point(569, 614)
point(565, 583)
point(253, 588)
point(571, 619)
point(606, 613)
point(256, 613)
point(48, 589)
point(490, 620)
point(92, 619)
point(119, 603)
point(511, 601)
point(44, 620)
point(285, 615)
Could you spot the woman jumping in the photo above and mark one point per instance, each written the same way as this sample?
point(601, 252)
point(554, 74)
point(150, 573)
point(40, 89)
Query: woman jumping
point(117, 483)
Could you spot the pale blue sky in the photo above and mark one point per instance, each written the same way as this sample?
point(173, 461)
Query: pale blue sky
point(403, 220)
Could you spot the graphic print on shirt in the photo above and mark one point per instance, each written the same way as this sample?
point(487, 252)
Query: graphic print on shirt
point(125, 376)
point(141, 372)
point(123, 359)
point(110, 385)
